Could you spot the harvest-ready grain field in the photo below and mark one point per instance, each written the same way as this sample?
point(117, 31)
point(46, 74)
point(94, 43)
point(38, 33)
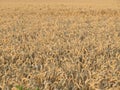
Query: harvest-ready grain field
point(60, 46)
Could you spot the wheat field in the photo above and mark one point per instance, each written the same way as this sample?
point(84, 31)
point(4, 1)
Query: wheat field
point(60, 46)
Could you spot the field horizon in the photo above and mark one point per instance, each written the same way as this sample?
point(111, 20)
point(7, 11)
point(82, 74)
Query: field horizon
point(82, 3)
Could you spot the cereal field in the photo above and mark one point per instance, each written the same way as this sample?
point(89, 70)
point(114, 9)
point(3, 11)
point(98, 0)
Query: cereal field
point(59, 46)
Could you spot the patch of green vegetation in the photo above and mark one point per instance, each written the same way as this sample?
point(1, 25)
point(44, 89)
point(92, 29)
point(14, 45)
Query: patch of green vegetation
point(19, 87)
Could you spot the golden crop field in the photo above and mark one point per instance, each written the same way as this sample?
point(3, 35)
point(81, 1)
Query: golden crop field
point(60, 46)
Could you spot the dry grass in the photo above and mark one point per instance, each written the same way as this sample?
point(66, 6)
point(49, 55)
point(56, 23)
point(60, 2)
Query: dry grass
point(63, 48)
